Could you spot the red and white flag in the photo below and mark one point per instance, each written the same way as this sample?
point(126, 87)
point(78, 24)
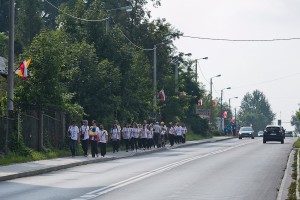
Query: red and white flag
point(162, 95)
point(200, 102)
point(22, 71)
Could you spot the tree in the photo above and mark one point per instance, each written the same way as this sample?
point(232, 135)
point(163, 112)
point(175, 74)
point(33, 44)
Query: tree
point(295, 121)
point(256, 110)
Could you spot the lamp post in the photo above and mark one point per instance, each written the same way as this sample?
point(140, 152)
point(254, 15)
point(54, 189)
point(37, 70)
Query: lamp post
point(229, 101)
point(196, 60)
point(228, 88)
point(126, 8)
point(211, 83)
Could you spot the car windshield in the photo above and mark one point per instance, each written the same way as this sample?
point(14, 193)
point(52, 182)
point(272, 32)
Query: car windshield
point(272, 128)
point(246, 129)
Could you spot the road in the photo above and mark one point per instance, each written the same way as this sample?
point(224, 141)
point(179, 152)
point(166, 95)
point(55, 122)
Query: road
point(228, 170)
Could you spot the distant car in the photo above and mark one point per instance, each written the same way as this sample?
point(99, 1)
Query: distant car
point(273, 133)
point(289, 134)
point(246, 131)
point(260, 133)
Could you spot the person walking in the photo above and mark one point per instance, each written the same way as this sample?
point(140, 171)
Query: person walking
point(103, 138)
point(126, 136)
point(183, 131)
point(144, 136)
point(118, 135)
point(171, 133)
point(93, 133)
point(163, 134)
point(156, 134)
point(114, 132)
point(134, 137)
point(84, 136)
point(150, 136)
point(74, 137)
point(178, 133)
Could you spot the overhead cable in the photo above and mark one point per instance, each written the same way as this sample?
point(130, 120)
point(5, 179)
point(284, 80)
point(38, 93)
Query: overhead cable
point(241, 40)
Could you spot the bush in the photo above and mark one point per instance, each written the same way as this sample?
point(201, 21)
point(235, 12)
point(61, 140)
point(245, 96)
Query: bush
point(198, 125)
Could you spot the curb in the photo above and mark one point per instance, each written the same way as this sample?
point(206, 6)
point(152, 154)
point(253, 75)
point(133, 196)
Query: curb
point(86, 162)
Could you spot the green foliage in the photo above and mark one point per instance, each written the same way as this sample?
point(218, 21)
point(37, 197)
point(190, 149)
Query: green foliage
point(3, 45)
point(198, 125)
point(255, 110)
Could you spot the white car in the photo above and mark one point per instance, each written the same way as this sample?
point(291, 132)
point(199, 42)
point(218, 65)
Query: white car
point(246, 131)
point(260, 133)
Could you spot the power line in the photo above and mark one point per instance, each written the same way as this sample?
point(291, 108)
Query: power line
point(241, 40)
point(82, 19)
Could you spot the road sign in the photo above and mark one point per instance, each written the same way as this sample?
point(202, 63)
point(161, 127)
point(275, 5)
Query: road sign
point(203, 113)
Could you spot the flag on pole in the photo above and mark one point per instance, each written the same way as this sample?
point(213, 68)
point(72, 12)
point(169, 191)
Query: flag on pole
point(22, 71)
point(200, 102)
point(162, 95)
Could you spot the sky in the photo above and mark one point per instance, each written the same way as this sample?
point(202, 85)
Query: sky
point(270, 67)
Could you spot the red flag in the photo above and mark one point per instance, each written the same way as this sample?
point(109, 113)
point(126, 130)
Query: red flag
point(162, 95)
point(200, 102)
point(23, 69)
point(213, 103)
point(225, 114)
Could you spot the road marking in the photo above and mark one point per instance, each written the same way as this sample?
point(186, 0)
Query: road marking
point(104, 190)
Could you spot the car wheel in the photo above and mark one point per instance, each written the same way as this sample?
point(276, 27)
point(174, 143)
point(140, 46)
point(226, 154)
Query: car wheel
point(264, 141)
point(252, 138)
point(282, 141)
point(240, 138)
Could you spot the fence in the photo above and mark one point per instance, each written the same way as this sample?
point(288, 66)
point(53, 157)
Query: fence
point(37, 129)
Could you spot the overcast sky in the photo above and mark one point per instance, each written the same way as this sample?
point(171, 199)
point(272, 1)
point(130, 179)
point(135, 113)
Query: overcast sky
point(271, 67)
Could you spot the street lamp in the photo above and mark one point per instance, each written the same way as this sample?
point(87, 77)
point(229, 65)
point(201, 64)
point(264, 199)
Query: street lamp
point(196, 60)
point(211, 83)
point(228, 88)
point(229, 101)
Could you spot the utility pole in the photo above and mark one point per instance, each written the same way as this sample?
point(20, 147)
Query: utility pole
point(154, 82)
point(10, 96)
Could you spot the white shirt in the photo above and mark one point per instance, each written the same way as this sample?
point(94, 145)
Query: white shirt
point(149, 134)
point(157, 128)
point(102, 136)
point(183, 130)
point(74, 130)
point(85, 130)
point(178, 130)
point(144, 133)
point(134, 133)
point(126, 133)
point(172, 130)
point(114, 133)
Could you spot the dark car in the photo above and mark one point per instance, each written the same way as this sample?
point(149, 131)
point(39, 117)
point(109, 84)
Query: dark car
point(246, 131)
point(273, 133)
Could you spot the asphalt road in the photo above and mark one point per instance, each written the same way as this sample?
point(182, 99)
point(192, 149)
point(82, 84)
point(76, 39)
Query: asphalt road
point(228, 170)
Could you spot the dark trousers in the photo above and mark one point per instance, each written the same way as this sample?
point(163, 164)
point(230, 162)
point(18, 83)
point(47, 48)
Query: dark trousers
point(133, 143)
point(115, 145)
point(144, 142)
point(156, 139)
point(171, 138)
point(163, 140)
point(127, 142)
point(149, 143)
point(94, 148)
point(73, 146)
point(102, 148)
point(183, 138)
point(179, 139)
point(85, 146)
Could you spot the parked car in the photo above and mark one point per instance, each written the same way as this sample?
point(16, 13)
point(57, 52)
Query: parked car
point(246, 131)
point(260, 133)
point(289, 134)
point(273, 133)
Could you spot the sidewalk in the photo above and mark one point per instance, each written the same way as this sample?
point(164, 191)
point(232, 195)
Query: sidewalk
point(20, 170)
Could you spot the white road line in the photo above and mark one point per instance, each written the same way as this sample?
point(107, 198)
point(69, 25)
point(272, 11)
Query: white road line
point(104, 190)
